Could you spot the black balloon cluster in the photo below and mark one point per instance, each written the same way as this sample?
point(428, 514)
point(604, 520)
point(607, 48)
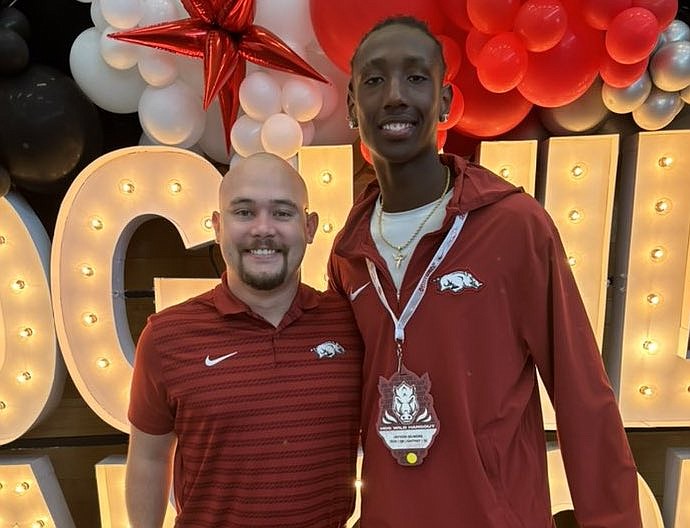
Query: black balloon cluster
point(49, 130)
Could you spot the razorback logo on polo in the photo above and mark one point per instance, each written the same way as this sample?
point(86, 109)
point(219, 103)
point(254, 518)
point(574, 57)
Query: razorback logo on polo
point(328, 349)
point(457, 282)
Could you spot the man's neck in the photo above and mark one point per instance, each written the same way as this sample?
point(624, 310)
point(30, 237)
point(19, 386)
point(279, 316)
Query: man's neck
point(272, 305)
point(410, 185)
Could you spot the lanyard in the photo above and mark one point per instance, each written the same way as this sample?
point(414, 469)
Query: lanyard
point(418, 294)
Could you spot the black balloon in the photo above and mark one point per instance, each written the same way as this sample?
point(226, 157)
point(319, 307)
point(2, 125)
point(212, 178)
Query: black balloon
point(14, 52)
point(11, 18)
point(5, 181)
point(49, 129)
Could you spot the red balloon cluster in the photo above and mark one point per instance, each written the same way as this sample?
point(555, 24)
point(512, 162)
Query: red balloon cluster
point(504, 56)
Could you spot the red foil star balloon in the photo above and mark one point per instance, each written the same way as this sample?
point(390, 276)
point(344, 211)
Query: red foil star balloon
point(221, 32)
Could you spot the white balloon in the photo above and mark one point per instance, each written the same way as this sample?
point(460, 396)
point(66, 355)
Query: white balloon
point(301, 99)
point(212, 141)
point(308, 130)
point(113, 90)
point(685, 95)
point(191, 71)
point(625, 100)
point(158, 11)
point(331, 123)
point(172, 115)
point(122, 14)
point(118, 54)
point(289, 19)
point(97, 15)
point(246, 136)
point(158, 68)
point(670, 66)
point(658, 110)
point(281, 135)
point(260, 95)
point(676, 30)
point(329, 96)
point(236, 158)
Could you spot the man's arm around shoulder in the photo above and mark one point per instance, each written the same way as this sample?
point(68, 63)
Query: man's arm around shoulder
point(148, 477)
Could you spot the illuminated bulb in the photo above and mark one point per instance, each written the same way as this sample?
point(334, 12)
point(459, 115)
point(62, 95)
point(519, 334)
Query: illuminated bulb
point(654, 299)
point(650, 346)
point(3, 406)
point(103, 363)
point(575, 216)
point(327, 227)
point(21, 488)
point(95, 223)
point(657, 254)
point(358, 483)
point(126, 187)
point(86, 270)
point(326, 177)
point(174, 187)
point(572, 261)
point(504, 173)
point(207, 223)
point(18, 285)
point(577, 171)
point(665, 161)
point(646, 391)
point(89, 318)
point(662, 206)
point(24, 377)
point(26, 332)
point(38, 524)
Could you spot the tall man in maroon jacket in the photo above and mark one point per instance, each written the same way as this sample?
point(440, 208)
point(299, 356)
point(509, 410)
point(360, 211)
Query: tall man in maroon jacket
point(461, 289)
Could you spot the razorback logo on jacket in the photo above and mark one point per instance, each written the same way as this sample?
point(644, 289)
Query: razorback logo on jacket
point(328, 349)
point(457, 282)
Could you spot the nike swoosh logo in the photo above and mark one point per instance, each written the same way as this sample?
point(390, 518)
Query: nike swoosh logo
point(354, 294)
point(210, 362)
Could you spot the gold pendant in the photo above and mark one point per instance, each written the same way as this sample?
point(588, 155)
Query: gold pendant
point(398, 257)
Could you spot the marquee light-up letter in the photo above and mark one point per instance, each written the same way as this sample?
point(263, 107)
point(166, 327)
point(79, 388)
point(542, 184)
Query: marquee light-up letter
point(648, 342)
point(103, 207)
point(677, 488)
point(34, 497)
point(32, 374)
point(327, 172)
point(515, 161)
point(562, 501)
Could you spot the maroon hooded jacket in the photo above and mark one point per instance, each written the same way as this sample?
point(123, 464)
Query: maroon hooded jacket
point(480, 343)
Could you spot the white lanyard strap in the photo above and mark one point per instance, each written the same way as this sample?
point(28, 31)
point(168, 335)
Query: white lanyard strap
point(416, 298)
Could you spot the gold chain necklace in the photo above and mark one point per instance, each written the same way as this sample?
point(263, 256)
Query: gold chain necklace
point(398, 255)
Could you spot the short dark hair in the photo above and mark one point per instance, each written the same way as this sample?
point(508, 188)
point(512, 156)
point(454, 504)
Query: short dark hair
point(403, 20)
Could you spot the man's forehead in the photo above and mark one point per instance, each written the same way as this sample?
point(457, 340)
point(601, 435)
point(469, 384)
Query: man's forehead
point(418, 45)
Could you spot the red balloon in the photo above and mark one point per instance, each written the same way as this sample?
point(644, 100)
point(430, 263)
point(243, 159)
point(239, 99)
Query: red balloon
point(452, 54)
point(487, 114)
point(339, 26)
point(502, 63)
point(632, 35)
point(541, 24)
point(457, 108)
point(664, 10)
point(492, 16)
point(560, 75)
point(474, 43)
point(621, 75)
point(600, 13)
point(456, 12)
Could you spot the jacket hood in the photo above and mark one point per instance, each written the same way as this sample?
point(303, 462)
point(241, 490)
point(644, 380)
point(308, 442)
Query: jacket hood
point(474, 187)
